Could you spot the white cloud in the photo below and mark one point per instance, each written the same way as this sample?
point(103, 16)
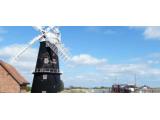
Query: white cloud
point(87, 80)
point(153, 61)
point(104, 75)
point(26, 63)
point(154, 55)
point(11, 50)
point(152, 33)
point(130, 69)
point(145, 68)
point(85, 59)
point(108, 74)
point(153, 58)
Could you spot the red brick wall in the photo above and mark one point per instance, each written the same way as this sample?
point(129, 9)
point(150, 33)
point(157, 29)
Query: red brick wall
point(7, 83)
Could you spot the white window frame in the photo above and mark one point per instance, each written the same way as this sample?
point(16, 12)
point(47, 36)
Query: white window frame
point(46, 60)
point(54, 61)
point(45, 76)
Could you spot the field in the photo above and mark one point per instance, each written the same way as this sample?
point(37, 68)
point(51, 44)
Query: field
point(102, 90)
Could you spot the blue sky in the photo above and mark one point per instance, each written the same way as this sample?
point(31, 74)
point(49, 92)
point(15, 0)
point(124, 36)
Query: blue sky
point(101, 56)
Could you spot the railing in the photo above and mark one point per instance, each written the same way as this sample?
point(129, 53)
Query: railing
point(50, 70)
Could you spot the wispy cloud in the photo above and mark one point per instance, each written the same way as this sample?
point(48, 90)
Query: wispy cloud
point(105, 71)
point(152, 59)
point(2, 32)
point(150, 32)
point(141, 66)
point(86, 59)
point(26, 63)
point(99, 29)
point(122, 69)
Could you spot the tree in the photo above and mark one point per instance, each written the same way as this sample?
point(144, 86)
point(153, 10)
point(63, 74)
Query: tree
point(60, 86)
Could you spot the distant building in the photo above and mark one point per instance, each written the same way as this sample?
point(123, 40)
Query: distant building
point(145, 89)
point(10, 80)
point(123, 88)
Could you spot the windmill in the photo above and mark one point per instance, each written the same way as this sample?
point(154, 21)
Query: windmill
point(47, 74)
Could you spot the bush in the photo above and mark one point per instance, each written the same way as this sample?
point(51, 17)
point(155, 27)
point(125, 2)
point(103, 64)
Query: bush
point(60, 86)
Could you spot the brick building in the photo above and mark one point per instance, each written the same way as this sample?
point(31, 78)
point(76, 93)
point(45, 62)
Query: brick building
point(10, 80)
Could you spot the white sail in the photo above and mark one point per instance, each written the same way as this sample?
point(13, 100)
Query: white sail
point(28, 45)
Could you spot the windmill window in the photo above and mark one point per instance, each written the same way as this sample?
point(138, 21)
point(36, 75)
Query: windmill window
point(46, 61)
point(54, 61)
point(44, 77)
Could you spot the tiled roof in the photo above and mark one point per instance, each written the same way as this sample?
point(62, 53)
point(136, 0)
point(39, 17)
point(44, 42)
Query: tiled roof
point(14, 73)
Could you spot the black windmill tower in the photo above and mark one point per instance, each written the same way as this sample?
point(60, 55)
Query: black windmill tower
point(47, 74)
